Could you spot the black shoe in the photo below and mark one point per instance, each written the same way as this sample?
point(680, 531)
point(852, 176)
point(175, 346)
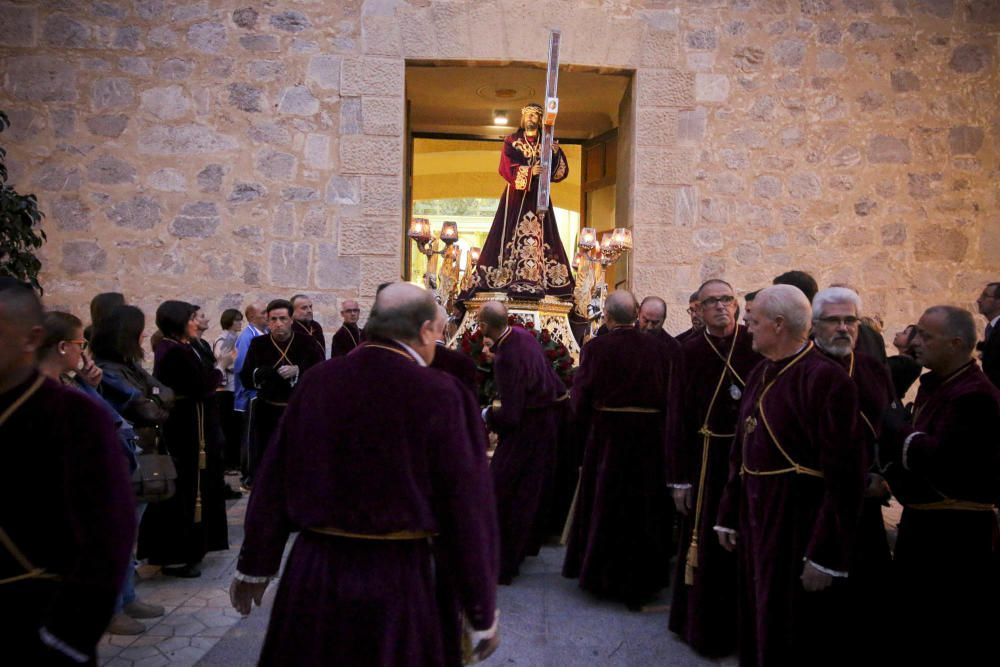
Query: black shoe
point(190, 571)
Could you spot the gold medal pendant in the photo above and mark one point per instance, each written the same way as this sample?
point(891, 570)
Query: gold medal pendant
point(735, 392)
point(750, 425)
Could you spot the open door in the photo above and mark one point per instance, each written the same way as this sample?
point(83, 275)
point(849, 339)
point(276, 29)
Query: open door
point(598, 188)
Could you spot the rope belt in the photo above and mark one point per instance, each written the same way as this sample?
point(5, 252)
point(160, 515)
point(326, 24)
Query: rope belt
point(496, 404)
point(395, 536)
point(30, 570)
point(795, 469)
point(952, 504)
point(631, 409)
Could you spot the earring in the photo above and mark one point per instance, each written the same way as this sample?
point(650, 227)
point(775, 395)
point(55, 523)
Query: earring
point(62, 352)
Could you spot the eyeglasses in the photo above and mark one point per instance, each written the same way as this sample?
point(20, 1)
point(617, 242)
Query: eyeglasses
point(713, 300)
point(351, 310)
point(837, 321)
point(79, 341)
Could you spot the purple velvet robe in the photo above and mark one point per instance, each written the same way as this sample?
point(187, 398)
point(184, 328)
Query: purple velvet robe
point(620, 544)
point(527, 428)
point(67, 503)
point(947, 559)
point(781, 519)
point(457, 364)
point(703, 613)
point(510, 261)
point(315, 331)
point(346, 339)
point(169, 533)
point(359, 451)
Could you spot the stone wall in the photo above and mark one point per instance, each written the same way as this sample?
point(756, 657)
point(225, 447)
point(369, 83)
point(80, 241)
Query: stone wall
point(221, 151)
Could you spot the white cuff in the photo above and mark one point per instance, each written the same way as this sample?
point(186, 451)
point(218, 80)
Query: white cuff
point(678, 486)
point(723, 529)
point(476, 636)
point(57, 644)
point(485, 410)
point(832, 573)
point(906, 447)
point(239, 576)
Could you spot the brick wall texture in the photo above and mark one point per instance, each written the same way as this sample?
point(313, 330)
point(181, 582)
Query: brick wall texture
point(224, 152)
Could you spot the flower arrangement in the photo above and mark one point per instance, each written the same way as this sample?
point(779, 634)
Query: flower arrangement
point(477, 346)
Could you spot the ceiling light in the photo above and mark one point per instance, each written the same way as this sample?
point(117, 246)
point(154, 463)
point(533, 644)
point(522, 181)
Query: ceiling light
point(499, 117)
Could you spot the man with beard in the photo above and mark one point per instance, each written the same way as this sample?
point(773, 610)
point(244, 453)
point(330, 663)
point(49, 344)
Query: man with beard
point(836, 322)
point(273, 366)
point(701, 426)
point(348, 336)
point(652, 314)
point(303, 322)
point(694, 312)
point(944, 469)
point(793, 499)
point(619, 543)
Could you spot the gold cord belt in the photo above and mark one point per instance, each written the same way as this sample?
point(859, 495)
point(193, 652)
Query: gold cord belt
point(397, 535)
point(30, 571)
point(279, 404)
point(952, 504)
point(632, 409)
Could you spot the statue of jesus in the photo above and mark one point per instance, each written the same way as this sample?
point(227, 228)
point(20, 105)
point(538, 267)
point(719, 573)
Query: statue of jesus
point(523, 256)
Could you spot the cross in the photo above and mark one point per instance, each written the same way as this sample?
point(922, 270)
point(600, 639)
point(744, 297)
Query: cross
point(550, 110)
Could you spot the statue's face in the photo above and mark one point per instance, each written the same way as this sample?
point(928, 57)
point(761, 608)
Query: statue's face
point(531, 120)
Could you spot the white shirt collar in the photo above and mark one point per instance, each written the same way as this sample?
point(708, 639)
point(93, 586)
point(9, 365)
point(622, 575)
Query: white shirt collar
point(994, 321)
point(413, 353)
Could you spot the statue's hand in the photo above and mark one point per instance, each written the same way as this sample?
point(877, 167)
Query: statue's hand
point(536, 170)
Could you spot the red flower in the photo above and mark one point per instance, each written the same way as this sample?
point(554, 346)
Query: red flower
point(545, 337)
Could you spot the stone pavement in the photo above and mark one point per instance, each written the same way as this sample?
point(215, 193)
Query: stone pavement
point(546, 620)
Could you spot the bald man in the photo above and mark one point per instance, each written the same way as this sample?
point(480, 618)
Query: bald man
point(697, 324)
point(944, 468)
point(526, 419)
point(619, 544)
point(386, 496)
point(793, 499)
point(75, 543)
point(348, 336)
point(453, 362)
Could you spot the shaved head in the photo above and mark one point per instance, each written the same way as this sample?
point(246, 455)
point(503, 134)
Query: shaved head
point(494, 314)
point(620, 308)
point(21, 332)
point(399, 312)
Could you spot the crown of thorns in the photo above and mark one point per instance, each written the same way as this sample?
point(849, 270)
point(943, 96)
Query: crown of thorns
point(534, 108)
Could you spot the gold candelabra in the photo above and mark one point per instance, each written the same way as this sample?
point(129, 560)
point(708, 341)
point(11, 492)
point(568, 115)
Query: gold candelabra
point(591, 262)
point(445, 282)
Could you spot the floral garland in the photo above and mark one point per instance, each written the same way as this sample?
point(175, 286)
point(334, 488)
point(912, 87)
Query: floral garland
point(473, 343)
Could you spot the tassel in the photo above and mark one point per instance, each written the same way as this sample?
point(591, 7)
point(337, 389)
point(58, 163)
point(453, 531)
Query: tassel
point(197, 510)
point(202, 460)
point(692, 563)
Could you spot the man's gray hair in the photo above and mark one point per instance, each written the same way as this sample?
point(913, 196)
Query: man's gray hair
point(835, 295)
point(621, 307)
point(660, 303)
point(959, 324)
point(399, 312)
point(787, 302)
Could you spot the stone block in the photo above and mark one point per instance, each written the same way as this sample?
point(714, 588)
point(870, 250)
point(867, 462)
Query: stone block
point(80, 257)
point(112, 93)
point(290, 21)
point(65, 32)
point(735, 158)
point(665, 88)
point(210, 178)
point(625, 39)
point(372, 76)
point(965, 140)
point(298, 193)
point(165, 102)
point(686, 206)
point(382, 115)
point(108, 170)
point(350, 116)
point(162, 36)
point(135, 65)
point(371, 155)
point(245, 97)
point(139, 212)
point(789, 52)
point(904, 81)
point(283, 221)
point(245, 17)
point(175, 69)
point(55, 177)
point(970, 58)
point(884, 149)
point(378, 270)
point(656, 127)
point(269, 133)
point(298, 101)
point(63, 122)
point(208, 37)
point(711, 87)
point(369, 236)
point(708, 240)
point(894, 234)
point(324, 72)
point(924, 186)
point(487, 43)
point(246, 192)
point(17, 25)
point(265, 70)
point(662, 166)
point(260, 43)
point(380, 35)
point(804, 185)
point(334, 271)
point(865, 207)
point(127, 38)
point(290, 263)
point(703, 38)
point(381, 195)
point(184, 140)
point(317, 151)
point(654, 205)
point(315, 222)
point(936, 242)
point(416, 28)
point(691, 124)
point(275, 165)
point(829, 59)
point(198, 220)
point(70, 213)
point(342, 190)
point(767, 187)
point(168, 180)
point(451, 29)
point(660, 48)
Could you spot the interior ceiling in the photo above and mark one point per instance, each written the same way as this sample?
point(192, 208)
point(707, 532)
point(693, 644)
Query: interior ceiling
point(450, 99)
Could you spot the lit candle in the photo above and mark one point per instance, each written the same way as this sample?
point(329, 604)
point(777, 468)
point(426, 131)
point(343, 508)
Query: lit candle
point(420, 230)
point(474, 255)
point(606, 241)
point(626, 238)
point(618, 237)
point(449, 231)
point(588, 238)
point(580, 257)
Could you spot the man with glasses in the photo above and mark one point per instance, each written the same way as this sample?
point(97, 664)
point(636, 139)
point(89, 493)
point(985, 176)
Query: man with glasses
point(694, 312)
point(836, 326)
point(988, 304)
point(348, 336)
point(702, 424)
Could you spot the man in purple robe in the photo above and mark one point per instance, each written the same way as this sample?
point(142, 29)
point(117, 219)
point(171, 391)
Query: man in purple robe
point(836, 326)
point(303, 322)
point(273, 365)
point(67, 511)
point(526, 419)
point(523, 256)
point(701, 429)
point(372, 478)
point(945, 470)
point(619, 543)
point(793, 499)
point(348, 336)
point(694, 312)
point(455, 363)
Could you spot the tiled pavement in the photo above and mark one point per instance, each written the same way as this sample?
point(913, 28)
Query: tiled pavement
point(545, 620)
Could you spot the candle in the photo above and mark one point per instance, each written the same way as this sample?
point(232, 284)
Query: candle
point(588, 238)
point(449, 231)
point(474, 255)
point(420, 230)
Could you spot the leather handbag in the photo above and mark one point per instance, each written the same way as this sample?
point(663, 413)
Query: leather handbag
point(155, 479)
